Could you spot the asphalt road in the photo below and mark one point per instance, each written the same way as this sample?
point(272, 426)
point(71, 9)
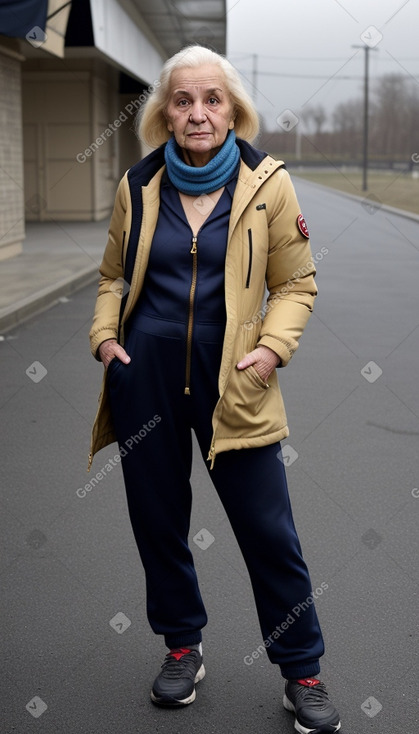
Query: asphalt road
point(77, 654)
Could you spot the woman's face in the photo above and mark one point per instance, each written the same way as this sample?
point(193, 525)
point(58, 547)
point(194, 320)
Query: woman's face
point(199, 112)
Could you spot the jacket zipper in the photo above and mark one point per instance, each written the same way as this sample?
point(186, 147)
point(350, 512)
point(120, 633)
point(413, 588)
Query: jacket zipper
point(249, 271)
point(194, 253)
point(211, 455)
point(124, 234)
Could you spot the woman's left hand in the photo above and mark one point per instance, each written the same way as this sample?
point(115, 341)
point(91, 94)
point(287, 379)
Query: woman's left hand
point(263, 359)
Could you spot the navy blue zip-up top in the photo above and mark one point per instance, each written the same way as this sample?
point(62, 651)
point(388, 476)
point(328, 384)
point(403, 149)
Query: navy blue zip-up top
point(139, 175)
point(166, 290)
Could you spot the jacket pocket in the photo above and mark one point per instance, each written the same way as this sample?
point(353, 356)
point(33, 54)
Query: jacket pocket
point(249, 268)
point(113, 366)
point(254, 374)
point(250, 407)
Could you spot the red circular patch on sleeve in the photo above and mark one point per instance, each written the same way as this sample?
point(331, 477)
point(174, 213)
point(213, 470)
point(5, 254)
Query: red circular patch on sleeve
point(302, 226)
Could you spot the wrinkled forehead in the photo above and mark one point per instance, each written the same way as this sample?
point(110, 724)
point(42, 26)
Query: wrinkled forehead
point(200, 79)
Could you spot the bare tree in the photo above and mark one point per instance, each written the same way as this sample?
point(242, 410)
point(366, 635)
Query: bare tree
point(393, 126)
point(348, 125)
point(314, 116)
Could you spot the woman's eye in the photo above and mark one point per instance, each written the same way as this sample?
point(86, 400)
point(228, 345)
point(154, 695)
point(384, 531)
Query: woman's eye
point(213, 100)
point(183, 102)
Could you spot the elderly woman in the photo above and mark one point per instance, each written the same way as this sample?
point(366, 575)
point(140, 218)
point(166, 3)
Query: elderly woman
point(199, 228)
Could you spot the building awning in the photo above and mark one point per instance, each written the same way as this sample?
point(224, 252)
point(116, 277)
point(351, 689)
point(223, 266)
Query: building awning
point(149, 32)
point(177, 23)
point(57, 19)
point(134, 35)
point(42, 23)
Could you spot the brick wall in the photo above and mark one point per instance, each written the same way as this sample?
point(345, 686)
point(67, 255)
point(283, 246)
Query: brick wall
point(12, 215)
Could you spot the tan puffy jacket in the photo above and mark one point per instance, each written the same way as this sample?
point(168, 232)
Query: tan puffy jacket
point(264, 212)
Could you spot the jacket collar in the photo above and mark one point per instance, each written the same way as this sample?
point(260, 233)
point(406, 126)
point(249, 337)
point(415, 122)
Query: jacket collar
point(250, 155)
point(142, 172)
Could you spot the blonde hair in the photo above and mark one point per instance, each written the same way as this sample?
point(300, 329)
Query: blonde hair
point(152, 128)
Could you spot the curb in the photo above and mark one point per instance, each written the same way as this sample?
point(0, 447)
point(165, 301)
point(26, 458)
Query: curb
point(24, 309)
point(378, 207)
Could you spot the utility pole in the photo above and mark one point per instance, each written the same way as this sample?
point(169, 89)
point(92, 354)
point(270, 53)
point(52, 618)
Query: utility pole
point(297, 143)
point(367, 49)
point(254, 77)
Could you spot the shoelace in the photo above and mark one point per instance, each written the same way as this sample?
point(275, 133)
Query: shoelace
point(315, 695)
point(176, 668)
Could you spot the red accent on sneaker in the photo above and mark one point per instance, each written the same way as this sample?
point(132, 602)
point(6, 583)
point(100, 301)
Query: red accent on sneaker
point(178, 654)
point(309, 682)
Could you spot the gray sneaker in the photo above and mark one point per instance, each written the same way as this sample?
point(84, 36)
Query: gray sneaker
point(175, 684)
point(314, 712)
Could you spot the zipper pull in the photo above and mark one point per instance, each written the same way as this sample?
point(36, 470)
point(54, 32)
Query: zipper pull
point(194, 248)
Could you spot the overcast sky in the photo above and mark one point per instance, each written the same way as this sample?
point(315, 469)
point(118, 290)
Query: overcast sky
point(304, 39)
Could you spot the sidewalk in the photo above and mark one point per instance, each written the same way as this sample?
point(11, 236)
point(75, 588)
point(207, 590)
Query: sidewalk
point(58, 258)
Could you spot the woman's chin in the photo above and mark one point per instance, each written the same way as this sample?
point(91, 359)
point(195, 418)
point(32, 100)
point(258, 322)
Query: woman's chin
point(198, 145)
point(201, 151)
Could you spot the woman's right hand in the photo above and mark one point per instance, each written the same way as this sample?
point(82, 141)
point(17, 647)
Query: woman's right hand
point(110, 349)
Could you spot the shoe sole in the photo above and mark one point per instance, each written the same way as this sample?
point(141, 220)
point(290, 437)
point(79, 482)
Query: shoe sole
point(183, 701)
point(327, 729)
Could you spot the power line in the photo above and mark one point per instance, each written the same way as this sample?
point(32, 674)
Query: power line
point(312, 76)
point(287, 58)
point(300, 76)
point(303, 59)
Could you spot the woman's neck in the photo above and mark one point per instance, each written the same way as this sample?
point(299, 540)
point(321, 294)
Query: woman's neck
point(198, 160)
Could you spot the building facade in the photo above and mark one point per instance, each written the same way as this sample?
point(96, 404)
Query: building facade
point(73, 77)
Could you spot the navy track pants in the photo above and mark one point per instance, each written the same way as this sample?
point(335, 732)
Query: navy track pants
point(153, 420)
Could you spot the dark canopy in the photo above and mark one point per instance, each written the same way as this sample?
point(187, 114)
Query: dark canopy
point(19, 17)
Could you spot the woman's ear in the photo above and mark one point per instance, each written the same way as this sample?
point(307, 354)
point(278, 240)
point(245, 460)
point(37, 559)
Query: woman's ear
point(231, 125)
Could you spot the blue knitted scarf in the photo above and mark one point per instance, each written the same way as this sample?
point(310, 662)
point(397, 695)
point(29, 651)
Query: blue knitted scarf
point(202, 179)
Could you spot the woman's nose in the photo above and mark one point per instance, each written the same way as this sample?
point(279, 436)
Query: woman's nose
point(197, 114)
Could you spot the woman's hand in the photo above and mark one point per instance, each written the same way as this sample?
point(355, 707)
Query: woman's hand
point(263, 359)
point(110, 349)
